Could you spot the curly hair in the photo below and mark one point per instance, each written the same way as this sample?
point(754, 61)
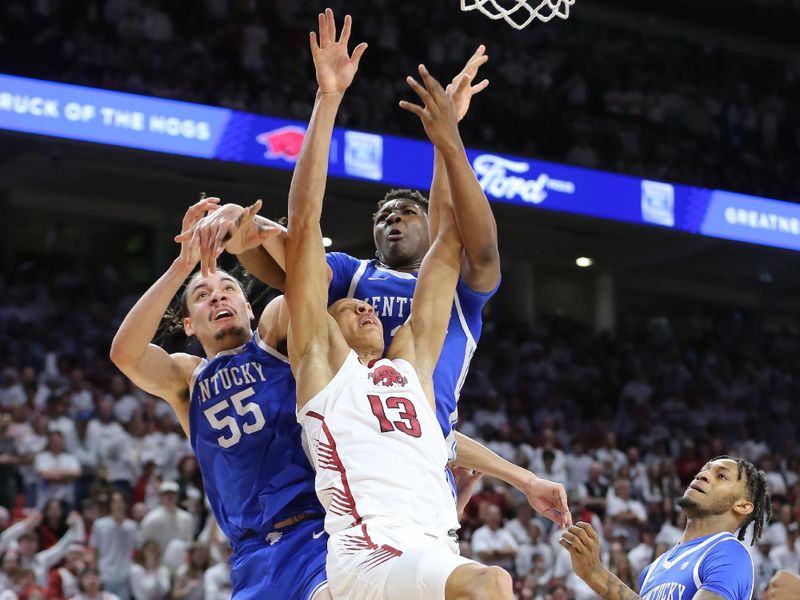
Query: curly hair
point(402, 194)
point(757, 493)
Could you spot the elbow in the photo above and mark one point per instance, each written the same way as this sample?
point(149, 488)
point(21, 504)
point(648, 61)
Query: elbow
point(120, 355)
point(485, 257)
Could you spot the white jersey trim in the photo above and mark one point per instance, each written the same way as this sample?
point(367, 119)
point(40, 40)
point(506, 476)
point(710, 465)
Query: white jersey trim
point(201, 366)
point(269, 349)
point(653, 566)
point(668, 564)
point(356, 278)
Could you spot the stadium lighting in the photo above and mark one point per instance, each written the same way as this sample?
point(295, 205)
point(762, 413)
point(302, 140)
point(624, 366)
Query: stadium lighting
point(327, 242)
point(584, 262)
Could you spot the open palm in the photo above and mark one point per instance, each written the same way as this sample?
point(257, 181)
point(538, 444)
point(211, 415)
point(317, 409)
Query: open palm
point(335, 67)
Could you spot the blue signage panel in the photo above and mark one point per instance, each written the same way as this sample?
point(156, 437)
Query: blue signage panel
point(133, 121)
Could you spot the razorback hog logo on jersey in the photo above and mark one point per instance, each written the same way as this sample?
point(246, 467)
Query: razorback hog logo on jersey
point(283, 143)
point(387, 376)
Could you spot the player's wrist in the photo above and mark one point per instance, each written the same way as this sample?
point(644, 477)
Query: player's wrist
point(179, 269)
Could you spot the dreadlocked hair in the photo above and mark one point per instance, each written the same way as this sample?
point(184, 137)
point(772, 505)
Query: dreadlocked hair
point(757, 493)
point(402, 194)
point(172, 321)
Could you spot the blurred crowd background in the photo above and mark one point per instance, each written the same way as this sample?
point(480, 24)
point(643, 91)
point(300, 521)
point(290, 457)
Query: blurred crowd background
point(99, 486)
point(598, 95)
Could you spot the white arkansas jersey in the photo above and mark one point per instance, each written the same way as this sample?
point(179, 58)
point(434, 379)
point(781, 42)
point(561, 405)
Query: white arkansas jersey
point(378, 449)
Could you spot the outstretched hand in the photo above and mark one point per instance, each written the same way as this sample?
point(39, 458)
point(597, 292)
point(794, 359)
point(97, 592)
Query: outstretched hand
point(465, 92)
point(438, 116)
point(549, 499)
point(583, 545)
point(191, 254)
point(228, 227)
point(335, 67)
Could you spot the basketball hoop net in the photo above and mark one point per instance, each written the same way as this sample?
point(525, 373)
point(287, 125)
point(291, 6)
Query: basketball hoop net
point(520, 13)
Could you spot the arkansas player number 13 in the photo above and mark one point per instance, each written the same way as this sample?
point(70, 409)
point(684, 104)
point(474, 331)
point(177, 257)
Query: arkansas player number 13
point(409, 423)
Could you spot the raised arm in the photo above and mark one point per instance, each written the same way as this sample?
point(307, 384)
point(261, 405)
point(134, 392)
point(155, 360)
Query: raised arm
point(480, 265)
point(149, 366)
point(421, 339)
point(306, 270)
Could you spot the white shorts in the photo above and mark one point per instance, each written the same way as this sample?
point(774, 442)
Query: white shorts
point(378, 562)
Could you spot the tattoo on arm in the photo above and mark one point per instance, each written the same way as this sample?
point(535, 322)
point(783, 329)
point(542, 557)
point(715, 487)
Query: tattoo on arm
point(616, 590)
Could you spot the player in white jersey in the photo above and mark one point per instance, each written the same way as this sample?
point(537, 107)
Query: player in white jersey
point(710, 563)
point(370, 422)
point(393, 277)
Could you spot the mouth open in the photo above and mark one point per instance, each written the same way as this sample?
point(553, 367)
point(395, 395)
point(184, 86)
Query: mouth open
point(367, 321)
point(395, 235)
point(223, 315)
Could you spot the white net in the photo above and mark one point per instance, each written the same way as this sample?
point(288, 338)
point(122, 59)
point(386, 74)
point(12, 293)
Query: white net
point(520, 13)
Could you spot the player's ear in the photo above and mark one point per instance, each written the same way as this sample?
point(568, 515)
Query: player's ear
point(250, 313)
point(743, 507)
point(187, 326)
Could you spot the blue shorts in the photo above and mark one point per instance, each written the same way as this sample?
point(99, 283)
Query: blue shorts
point(291, 568)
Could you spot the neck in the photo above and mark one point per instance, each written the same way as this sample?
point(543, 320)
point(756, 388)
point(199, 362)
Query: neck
point(212, 349)
point(697, 527)
point(367, 356)
point(412, 266)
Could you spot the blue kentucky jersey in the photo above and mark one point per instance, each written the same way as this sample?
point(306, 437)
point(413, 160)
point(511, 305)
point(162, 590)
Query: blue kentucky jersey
point(391, 292)
point(244, 432)
point(718, 563)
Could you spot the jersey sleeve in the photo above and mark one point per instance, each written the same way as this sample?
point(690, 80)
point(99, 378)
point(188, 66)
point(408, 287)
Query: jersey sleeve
point(727, 570)
point(343, 267)
point(472, 303)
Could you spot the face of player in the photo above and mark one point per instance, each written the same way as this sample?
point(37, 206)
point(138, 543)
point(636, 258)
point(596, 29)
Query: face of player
point(401, 233)
point(360, 326)
point(716, 490)
point(219, 314)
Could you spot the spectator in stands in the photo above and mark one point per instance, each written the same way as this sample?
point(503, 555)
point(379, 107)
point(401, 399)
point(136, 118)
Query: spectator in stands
point(188, 583)
point(217, 579)
point(114, 538)
point(786, 556)
point(40, 562)
point(593, 491)
point(62, 582)
point(31, 444)
point(53, 526)
point(493, 545)
point(624, 511)
point(91, 588)
point(57, 471)
point(112, 446)
point(149, 579)
point(8, 464)
point(167, 522)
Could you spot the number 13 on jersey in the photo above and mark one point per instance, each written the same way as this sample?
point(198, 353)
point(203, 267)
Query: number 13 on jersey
point(408, 423)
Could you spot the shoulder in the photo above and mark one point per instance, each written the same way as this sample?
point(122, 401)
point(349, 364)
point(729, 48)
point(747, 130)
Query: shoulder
point(729, 550)
point(187, 362)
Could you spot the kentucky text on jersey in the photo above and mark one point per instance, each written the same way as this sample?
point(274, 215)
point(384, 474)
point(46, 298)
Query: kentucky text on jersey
point(390, 306)
point(244, 432)
point(228, 377)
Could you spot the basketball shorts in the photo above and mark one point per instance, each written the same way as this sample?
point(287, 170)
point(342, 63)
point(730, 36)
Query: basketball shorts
point(289, 564)
point(391, 562)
